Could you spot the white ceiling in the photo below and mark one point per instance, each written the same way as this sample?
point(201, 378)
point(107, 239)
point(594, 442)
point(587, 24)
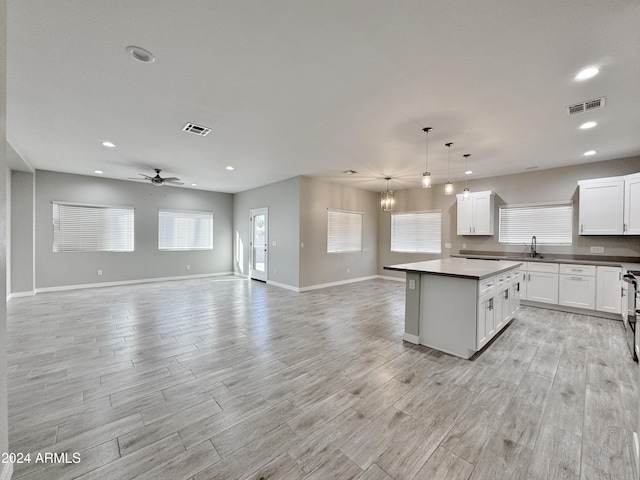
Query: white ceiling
point(316, 87)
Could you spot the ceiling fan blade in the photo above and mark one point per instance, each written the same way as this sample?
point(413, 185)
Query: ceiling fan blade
point(171, 179)
point(145, 176)
point(173, 182)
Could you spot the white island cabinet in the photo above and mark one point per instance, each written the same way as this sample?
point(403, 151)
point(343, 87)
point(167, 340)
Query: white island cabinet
point(458, 305)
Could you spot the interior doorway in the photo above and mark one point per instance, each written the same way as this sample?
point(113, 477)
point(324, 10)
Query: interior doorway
point(259, 265)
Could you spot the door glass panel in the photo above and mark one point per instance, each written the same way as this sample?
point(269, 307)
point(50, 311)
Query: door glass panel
point(259, 242)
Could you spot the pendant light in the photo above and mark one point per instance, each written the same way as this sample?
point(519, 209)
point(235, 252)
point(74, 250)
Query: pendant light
point(466, 192)
point(386, 199)
point(426, 176)
point(448, 187)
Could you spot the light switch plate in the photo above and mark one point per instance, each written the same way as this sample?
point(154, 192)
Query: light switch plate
point(447, 245)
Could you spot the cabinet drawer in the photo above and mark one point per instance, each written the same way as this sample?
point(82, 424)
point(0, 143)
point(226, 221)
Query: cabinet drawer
point(568, 269)
point(488, 285)
point(542, 267)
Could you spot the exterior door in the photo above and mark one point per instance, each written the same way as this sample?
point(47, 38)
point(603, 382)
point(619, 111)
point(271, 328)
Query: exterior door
point(259, 244)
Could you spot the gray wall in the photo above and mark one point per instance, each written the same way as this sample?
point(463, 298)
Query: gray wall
point(316, 265)
point(283, 201)
point(22, 196)
point(4, 441)
point(530, 187)
point(146, 262)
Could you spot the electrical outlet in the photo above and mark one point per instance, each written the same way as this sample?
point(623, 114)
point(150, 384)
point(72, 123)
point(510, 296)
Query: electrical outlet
point(99, 272)
point(447, 245)
point(301, 244)
point(464, 245)
point(597, 249)
point(188, 267)
point(274, 243)
point(412, 284)
point(275, 272)
point(348, 270)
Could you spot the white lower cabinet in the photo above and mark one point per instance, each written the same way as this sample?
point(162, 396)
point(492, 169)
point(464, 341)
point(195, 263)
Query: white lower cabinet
point(498, 301)
point(609, 291)
point(577, 291)
point(542, 287)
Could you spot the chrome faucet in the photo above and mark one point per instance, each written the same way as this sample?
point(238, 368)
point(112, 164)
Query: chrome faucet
point(533, 247)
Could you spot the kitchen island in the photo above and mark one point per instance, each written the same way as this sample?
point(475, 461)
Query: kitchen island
point(457, 305)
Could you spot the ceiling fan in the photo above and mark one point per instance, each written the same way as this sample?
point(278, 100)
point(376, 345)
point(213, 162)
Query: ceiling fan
point(158, 180)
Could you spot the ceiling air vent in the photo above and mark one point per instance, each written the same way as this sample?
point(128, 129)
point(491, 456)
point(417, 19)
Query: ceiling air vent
point(586, 106)
point(197, 129)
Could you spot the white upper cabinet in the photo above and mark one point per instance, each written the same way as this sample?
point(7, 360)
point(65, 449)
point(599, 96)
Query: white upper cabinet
point(610, 206)
point(475, 214)
point(632, 204)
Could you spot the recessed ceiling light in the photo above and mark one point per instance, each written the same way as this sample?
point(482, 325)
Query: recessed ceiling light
point(589, 153)
point(587, 125)
point(98, 171)
point(140, 54)
point(194, 184)
point(468, 172)
point(229, 167)
point(108, 144)
point(587, 73)
point(349, 172)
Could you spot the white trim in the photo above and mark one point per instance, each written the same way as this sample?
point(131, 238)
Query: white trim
point(334, 284)
point(7, 471)
point(407, 337)
point(395, 279)
point(20, 294)
point(92, 205)
point(283, 285)
point(128, 282)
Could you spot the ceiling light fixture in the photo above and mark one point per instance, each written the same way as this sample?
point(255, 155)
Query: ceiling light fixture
point(108, 144)
point(589, 153)
point(194, 184)
point(588, 125)
point(229, 167)
point(426, 176)
point(448, 187)
point(466, 192)
point(587, 73)
point(99, 172)
point(349, 172)
point(140, 54)
point(386, 199)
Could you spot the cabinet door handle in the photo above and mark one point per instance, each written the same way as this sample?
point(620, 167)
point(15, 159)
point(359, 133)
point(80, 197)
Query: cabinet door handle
point(577, 278)
point(470, 230)
point(581, 227)
point(624, 227)
point(491, 304)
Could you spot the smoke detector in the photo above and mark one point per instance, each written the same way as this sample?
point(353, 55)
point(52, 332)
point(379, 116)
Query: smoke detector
point(586, 106)
point(196, 129)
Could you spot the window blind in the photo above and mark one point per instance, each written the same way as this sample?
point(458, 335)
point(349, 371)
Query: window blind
point(550, 223)
point(185, 230)
point(92, 228)
point(344, 231)
point(416, 232)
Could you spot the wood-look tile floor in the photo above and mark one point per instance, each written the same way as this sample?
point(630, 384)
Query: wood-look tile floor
point(226, 378)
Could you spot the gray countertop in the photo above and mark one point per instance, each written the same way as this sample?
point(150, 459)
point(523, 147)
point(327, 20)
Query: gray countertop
point(458, 267)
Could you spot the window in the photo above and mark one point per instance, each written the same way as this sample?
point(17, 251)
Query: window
point(185, 230)
point(344, 231)
point(92, 228)
point(551, 223)
point(416, 232)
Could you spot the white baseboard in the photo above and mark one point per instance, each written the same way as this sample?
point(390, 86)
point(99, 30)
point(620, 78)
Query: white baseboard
point(395, 279)
point(283, 285)
point(407, 337)
point(129, 282)
point(6, 472)
point(335, 284)
point(20, 294)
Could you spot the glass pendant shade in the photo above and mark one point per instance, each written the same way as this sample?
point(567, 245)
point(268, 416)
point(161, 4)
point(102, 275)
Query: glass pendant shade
point(465, 193)
point(448, 188)
point(386, 199)
point(426, 180)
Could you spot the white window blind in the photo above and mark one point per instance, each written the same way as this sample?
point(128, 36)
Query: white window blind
point(416, 232)
point(185, 230)
point(344, 231)
point(92, 228)
point(550, 223)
